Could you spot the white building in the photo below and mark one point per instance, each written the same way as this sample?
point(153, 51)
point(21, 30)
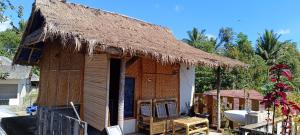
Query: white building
point(17, 83)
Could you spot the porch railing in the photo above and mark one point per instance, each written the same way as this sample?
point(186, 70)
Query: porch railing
point(57, 122)
point(208, 104)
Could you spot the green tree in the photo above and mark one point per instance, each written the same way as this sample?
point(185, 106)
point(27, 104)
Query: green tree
point(290, 55)
point(226, 36)
point(242, 49)
point(195, 36)
point(7, 5)
point(268, 46)
point(198, 39)
point(9, 40)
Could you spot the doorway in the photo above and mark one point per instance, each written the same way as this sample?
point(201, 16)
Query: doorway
point(114, 91)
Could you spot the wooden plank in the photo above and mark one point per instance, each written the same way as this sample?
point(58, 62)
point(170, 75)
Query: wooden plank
point(242, 104)
point(69, 127)
point(106, 124)
point(236, 104)
point(51, 121)
point(210, 108)
point(45, 125)
point(254, 105)
point(76, 129)
point(95, 81)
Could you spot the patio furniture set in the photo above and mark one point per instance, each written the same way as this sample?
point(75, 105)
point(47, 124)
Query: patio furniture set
point(160, 116)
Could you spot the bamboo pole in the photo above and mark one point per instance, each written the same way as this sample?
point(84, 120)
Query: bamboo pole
point(219, 98)
point(121, 93)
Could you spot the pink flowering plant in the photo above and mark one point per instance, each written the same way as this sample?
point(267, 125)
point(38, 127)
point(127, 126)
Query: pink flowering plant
point(280, 76)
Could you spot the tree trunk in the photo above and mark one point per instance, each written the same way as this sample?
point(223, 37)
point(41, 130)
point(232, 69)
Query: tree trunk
point(219, 98)
point(121, 93)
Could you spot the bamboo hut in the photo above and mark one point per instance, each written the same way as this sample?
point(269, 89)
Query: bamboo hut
point(106, 62)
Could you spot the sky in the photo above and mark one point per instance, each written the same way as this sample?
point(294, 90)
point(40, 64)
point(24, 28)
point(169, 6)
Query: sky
point(251, 17)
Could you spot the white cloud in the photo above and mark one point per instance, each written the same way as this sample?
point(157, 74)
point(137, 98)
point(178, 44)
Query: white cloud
point(4, 26)
point(178, 8)
point(284, 31)
point(210, 36)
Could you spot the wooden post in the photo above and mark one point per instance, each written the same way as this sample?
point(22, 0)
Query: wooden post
point(219, 98)
point(121, 93)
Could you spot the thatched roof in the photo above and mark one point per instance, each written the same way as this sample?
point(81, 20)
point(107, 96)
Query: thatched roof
point(101, 30)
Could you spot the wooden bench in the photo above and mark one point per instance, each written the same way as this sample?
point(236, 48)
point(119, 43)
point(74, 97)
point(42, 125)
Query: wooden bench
point(147, 121)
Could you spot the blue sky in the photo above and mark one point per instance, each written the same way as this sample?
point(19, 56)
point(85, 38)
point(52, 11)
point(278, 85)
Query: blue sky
point(250, 17)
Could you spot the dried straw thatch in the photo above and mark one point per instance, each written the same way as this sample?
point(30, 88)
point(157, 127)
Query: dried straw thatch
point(102, 30)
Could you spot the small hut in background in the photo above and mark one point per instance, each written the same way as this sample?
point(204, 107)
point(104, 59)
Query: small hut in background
point(230, 100)
point(105, 62)
point(17, 83)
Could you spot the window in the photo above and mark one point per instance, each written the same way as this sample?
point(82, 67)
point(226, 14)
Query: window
point(129, 97)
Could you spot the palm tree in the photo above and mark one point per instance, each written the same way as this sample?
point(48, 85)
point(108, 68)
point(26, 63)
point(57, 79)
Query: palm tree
point(195, 36)
point(268, 46)
point(226, 36)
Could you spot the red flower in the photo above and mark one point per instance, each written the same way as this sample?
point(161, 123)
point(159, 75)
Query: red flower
point(273, 78)
point(278, 97)
point(282, 86)
point(285, 110)
point(279, 66)
point(282, 95)
point(287, 73)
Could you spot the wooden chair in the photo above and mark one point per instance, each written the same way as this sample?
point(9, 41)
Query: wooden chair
point(172, 109)
point(146, 119)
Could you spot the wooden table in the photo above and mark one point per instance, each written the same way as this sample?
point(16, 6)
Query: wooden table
point(192, 125)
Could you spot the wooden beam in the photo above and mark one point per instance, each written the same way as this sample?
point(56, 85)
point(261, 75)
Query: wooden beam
point(218, 98)
point(111, 50)
point(107, 122)
point(121, 93)
point(131, 61)
point(29, 57)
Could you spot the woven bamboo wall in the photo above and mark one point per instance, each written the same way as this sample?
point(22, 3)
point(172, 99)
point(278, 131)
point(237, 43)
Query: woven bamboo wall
point(96, 91)
point(154, 80)
point(61, 76)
